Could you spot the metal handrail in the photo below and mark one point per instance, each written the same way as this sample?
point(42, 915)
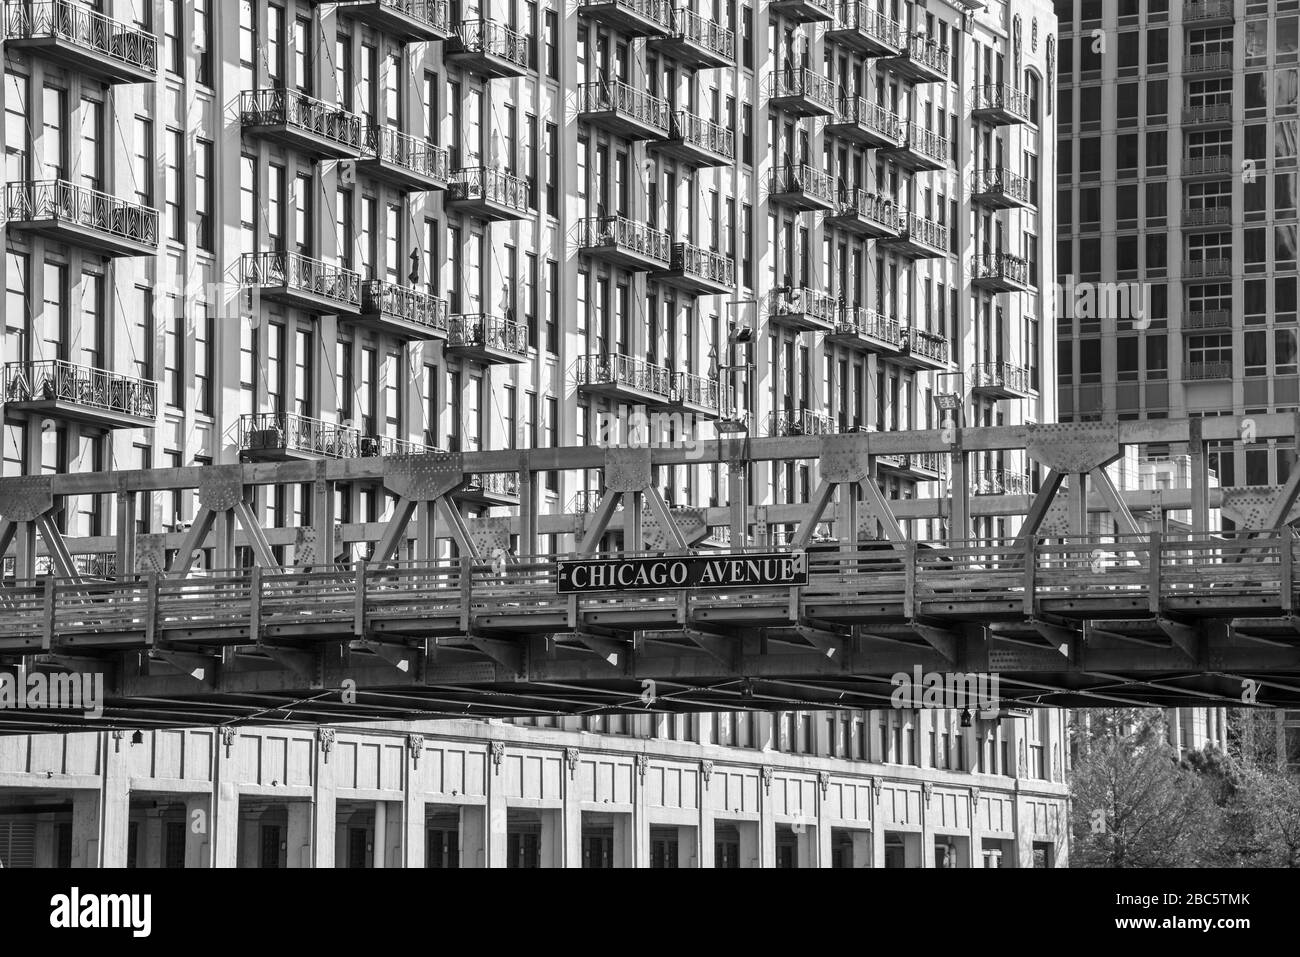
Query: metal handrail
point(704, 134)
point(1207, 62)
point(709, 34)
point(878, 209)
point(1210, 266)
point(1208, 163)
point(1002, 266)
point(926, 51)
point(414, 153)
point(1209, 370)
point(861, 17)
point(619, 232)
point(1001, 96)
point(490, 185)
point(999, 482)
point(493, 483)
point(860, 320)
point(614, 368)
point(697, 390)
point(1000, 374)
point(803, 82)
point(619, 97)
point(380, 297)
point(656, 10)
point(801, 177)
point(387, 445)
point(298, 110)
point(1001, 180)
point(798, 422)
point(296, 271)
point(916, 228)
point(1207, 216)
point(59, 199)
point(803, 301)
point(703, 263)
point(493, 38)
point(484, 330)
point(300, 433)
point(865, 112)
point(71, 21)
point(57, 380)
point(931, 345)
point(1208, 113)
point(1206, 9)
point(1208, 319)
point(926, 142)
point(436, 13)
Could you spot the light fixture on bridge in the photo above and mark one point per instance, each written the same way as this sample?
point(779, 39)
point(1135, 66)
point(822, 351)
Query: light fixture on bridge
point(966, 718)
point(137, 738)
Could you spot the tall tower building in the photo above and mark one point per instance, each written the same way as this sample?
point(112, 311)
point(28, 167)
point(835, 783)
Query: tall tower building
point(305, 230)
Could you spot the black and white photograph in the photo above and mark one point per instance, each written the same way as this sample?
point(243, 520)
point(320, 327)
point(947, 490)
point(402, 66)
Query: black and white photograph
point(648, 434)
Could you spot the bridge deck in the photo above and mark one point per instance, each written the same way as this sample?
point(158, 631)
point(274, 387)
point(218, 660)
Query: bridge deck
point(1149, 620)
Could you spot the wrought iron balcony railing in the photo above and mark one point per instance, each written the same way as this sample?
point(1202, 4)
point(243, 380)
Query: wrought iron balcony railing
point(1215, 62)
point(1208, 113)
point(1208, 319)
point(495, 39)
point(697, 390)
point(622, 233)
point(1209, 163)
point(703, 264)
point(1001, 96)
point(83, 27)
point(878, 209)
point(868, 113)
point(804, 301)
point(926, 142)
point(704, 134)
point(55, 380)
point(999, 482)
point(625, 99)
point(803, 83)
point(409, 152)
point(708, 34)
point(1209, 370)
point(379, 297)
point(490, 185)
point(656, 11)
point(927, 52)
point(799, 422)
point(300, 273)
point(497, 484)
point(287, 431)
point(1207, 10)
point(929, 345)
point(58, 200)
point(860, 16)
point(802, 178)
point(1207, 266)
point(630, 371)
point(298, 111)
point(585, 500)
point(1002, 181)
point(372, 445)
point(482, 330)
point(1002, 266)
point(1207, 216)
point(861, 321)
point(917, 228)
point(1000, 375)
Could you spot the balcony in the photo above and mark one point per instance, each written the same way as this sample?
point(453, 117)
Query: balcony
point(624, 378)
point(697, 395)
point(802, 187)
point(281, 436)
point(82, 217)
point(866, 214)
point(697, 141)
point(698, 43)
point(805, 310)
point(920, 149)
point(918, 237)
point(302, 282)
point(382, 445)
point(1000, 189)
point(77, 37)
point(633, 18)
point(301, 122)
point(1206, 12)
point(1000, 380)
point(623, 110)
point(922, 466)
point(865, 330)
point(55, 388)
point(1206, 267)
point(867, 31)
point(1207, 216)
point(922, 60)
point(802, 93)
point(999, 482)
point(403, 311)
point(407, 162)
point(411, 21)
point(1208, 319)
point(858, 120)
point(1000, 104)
point(803, 11)
point(1208, 114)
point(1201, 63)
point(924, 350)
point(699, 271)
point(1209, 370)
point(490, 488)
point(491, 340)
point(1001, 272)
point(490, 49)
point(1212, 165)
point(489, 194)
point(617, 240)
point(782, 422)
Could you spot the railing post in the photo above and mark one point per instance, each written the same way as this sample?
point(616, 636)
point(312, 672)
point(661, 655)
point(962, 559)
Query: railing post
point(466, 590)
point(1030, 601)
point(1155, 557)
point(909, 581)
point(151, 609)
point(1286, 584)
point(359, 599)
point(47, 623)
point(255, 604)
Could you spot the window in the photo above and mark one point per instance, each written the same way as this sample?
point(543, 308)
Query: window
point(92, 154)
point(142, 161)
point(552, 167)
point(174, 196)
point(173, 52)
point(302, 54)
point(248, 203)
point(53, 151)
point(553, 307)
point(274, 45)
point(393, 91)
point(552, 45)
point(302, 207)
point(204, 335)
point(202, 42)
point(203, 195)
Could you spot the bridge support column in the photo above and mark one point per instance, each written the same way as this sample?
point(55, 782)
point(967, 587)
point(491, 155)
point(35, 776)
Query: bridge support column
point(380, 856)
point(114, 802)
point(1200, 478)
point(324, 803)
point(571, 855)
point(298, 834)
point(496, 819)
point(85, 828)
point(225, 820)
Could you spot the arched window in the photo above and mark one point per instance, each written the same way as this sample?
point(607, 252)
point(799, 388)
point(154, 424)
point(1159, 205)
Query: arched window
point(1033, 90)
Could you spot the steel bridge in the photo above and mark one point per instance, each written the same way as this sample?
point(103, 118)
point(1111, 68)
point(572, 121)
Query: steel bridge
point(1146, 616)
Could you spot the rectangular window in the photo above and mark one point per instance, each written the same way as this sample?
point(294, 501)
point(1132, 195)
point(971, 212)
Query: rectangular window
point(92, 138)
point(174, 198)
point(203, 195)
point(173, 52)
point(204, 336)
point(552, 307)
point(202, 42)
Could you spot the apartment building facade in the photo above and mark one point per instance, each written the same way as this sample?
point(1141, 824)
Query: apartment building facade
point(264, 231)
point(1177, 157)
